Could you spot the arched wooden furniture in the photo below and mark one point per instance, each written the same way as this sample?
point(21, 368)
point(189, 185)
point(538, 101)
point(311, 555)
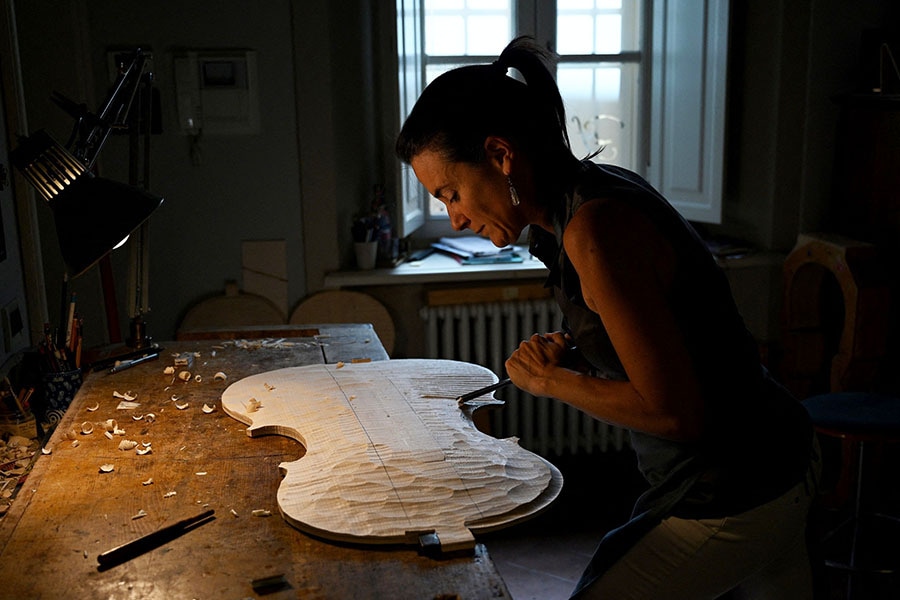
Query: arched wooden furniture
point(817, 265)
point(346, 306)
point(213, 317)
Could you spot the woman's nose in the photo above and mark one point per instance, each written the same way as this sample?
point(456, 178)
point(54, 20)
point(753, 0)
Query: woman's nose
point(457, 220)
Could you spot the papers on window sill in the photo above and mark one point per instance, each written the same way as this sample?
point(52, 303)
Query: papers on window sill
point(474, 250)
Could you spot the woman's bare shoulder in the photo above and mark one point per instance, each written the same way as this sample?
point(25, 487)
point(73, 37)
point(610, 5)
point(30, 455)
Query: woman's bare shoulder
point(605, 230)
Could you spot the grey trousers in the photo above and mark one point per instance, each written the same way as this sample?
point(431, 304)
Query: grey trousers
point(759, 554)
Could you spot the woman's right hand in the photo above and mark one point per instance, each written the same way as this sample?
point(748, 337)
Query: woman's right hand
point(531, 366)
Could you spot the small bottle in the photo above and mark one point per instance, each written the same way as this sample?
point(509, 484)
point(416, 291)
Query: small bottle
point(383, 229)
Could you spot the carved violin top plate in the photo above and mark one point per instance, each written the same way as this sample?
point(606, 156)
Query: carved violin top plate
point(390, 455)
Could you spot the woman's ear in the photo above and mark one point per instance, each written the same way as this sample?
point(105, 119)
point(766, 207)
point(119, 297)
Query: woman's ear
point(499, 153)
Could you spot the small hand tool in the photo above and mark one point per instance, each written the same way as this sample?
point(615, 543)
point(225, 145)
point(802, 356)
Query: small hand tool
point(485, 390)
point(143, 544)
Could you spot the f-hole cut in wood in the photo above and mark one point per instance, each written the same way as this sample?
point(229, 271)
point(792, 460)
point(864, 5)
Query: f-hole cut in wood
point(390, 456)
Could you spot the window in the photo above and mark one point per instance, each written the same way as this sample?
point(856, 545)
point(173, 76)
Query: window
point(661, 117)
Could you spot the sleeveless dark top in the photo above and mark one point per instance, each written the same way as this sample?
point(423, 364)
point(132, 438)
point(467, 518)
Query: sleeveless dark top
point(757, 436)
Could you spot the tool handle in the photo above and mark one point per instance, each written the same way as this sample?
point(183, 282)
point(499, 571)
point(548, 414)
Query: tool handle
point(148, 542)
point(484, 390)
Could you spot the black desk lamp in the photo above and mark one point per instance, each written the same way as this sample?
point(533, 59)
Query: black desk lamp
point(92, 215)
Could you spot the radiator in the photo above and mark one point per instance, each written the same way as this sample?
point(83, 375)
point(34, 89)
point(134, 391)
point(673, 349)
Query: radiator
point(485, 334)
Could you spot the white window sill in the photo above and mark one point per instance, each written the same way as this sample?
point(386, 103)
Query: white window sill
point(440, 268)
point(437, 268)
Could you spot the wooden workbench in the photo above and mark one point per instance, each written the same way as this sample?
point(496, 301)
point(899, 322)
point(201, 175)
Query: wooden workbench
point(68, 511)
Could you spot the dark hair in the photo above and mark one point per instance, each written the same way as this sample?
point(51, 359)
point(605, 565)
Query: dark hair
point(462, 107)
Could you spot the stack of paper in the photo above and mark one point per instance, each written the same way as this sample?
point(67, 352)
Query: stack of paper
point(474, 250)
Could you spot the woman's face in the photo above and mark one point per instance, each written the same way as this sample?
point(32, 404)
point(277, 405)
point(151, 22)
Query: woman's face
point(476, 196)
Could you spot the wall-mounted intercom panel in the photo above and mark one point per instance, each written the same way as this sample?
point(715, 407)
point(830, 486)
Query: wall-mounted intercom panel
point(217, 92)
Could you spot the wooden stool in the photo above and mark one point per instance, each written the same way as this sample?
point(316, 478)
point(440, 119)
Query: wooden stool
point(860, 420)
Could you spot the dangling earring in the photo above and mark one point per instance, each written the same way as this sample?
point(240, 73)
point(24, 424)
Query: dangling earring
point(513, 194)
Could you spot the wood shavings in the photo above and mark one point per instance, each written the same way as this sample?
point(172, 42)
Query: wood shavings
point(127, 405)
point(127, 445)
point(170, 370)
point(75, 443)
point(339, 365)
point(137, 417)
point(17, 455)
point(252, 405)
point(269, 387)
point(93, 408)
point(234, 512)
point(184, 376)
point(46, 450)
point(140, 515)
point(220, 376)
point(181, 405)
point(129, 395)
point(111, 425)
point(263, 343)
point(147, 482)
point(261, 512)
point(143, 451)
point(198, 378)
point(107, 468)
point(201, 473)
point(149, 417)
point(208, 409)
point(18, 441)
point(169, 494)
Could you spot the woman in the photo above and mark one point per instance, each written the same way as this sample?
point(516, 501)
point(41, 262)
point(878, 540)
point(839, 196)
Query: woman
point(725, 450)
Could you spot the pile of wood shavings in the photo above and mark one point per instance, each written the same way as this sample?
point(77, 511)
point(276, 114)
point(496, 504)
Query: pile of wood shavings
point(262, 343)
point(16, 457)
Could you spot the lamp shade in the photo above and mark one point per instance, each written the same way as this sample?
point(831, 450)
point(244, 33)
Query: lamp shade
point(93, 215)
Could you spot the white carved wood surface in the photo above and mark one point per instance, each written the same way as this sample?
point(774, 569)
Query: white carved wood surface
point(389, 453)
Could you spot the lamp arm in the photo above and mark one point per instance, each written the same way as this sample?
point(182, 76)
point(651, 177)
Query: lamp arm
point(114, 112)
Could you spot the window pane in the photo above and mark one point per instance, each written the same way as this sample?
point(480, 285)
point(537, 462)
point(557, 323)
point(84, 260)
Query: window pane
point(609, 34)
point(473, 27)
point(432, 71)
point(454, 5)
point(575, 34)
point(597, 26)
point(487, 35)
point(445, 34)
point(601, 108)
